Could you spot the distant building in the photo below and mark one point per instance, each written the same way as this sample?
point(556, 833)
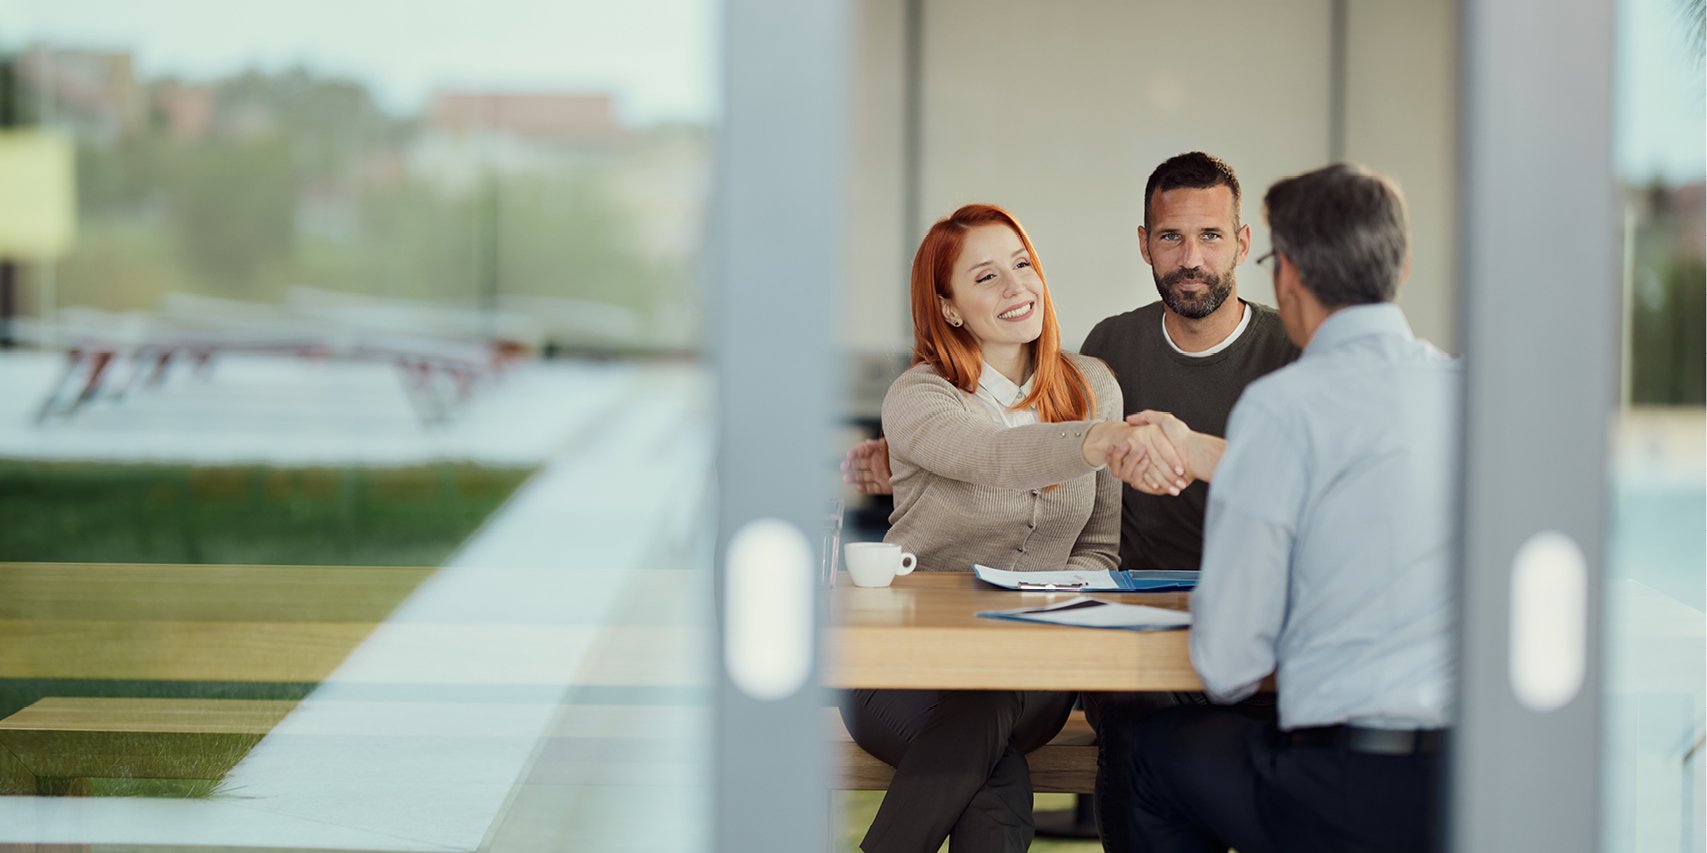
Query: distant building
point(466, 135)
point(184, 111)
point(96, 96)
point(562, 118)
point(92, 93)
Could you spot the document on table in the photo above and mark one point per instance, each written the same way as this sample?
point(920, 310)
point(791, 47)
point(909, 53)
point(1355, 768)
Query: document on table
point(1085, 612)
point(1087, 580)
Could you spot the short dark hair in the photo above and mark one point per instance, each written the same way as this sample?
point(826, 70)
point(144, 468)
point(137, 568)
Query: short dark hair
point(1193, 170)
point(1346, 230)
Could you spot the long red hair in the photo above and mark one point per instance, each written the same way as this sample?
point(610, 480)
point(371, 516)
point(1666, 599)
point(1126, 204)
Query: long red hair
point(1058, 389)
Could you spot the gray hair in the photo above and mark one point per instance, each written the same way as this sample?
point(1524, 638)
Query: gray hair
point(1346, 230)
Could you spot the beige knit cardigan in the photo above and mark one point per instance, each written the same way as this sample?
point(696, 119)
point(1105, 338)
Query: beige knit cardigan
point(969, 489)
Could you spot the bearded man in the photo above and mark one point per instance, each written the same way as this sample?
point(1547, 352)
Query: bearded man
point(1194, 351)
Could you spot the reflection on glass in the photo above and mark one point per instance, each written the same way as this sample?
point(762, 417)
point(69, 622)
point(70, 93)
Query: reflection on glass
point(327, 475)
point(1656, 630)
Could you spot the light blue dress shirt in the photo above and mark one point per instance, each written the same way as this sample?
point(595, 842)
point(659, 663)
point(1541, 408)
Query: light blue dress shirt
point(1328, 551)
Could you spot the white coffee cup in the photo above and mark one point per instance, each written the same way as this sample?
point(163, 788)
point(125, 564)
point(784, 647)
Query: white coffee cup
point(877, 563)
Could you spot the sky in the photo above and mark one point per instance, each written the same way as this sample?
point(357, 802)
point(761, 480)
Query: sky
point(1660, 94)
point(659, 57)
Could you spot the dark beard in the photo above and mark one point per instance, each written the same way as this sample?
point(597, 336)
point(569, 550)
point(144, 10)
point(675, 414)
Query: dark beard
point(1194, 307)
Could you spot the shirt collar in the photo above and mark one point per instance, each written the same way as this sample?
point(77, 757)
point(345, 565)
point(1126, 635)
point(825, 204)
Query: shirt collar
point(1001, 388)
point(1244, 323)
point(1348, 324)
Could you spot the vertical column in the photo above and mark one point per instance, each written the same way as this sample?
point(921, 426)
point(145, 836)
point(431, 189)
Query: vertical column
point(913, 131)
point(777, 230)
point(1539, 318)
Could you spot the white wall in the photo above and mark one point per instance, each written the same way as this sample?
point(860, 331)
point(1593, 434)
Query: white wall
point(1401, 120)
point(1060, 111)
point(874, 312)
point(1062, 115)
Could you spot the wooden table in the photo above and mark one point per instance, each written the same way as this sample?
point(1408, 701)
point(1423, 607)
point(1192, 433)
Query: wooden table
point(923, 633)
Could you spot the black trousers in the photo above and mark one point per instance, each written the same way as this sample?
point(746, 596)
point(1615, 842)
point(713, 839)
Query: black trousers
point(1205, 779)
point(959, 759)
point(1115, 717)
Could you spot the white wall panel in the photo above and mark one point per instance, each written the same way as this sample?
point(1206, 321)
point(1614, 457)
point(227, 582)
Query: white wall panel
point(1401, 121)
point(1060, 111)
point(873, 298)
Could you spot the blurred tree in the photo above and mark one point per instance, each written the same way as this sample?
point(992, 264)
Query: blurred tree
point(1669, 345)
point(569, 236)
point(17, 102)
point(235, 212)
point(119, 267)
point(1693, 15)
point(1668, 326)
point(302, 179)
point(416, 242)
point(128, 179)
point(330, 122)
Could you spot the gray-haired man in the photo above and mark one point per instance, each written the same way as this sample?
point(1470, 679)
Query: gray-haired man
point(1326, 560)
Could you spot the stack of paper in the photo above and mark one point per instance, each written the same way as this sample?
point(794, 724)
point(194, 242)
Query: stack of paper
point(1084, 580)
point(1090, 613)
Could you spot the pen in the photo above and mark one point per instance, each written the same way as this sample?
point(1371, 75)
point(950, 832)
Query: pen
point(1052, 587)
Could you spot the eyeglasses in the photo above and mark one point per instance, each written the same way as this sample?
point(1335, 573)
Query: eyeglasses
point(1268, 257)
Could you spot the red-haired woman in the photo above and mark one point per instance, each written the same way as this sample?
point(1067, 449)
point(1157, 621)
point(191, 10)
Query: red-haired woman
point(999, 444)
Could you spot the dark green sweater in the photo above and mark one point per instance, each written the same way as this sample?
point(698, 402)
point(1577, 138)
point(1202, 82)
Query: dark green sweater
point(1167, 532)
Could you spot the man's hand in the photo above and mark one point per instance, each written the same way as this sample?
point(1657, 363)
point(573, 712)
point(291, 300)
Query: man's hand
point(1139, 455)
point(1198, 454)
point(1150, 461)
point(867, 467)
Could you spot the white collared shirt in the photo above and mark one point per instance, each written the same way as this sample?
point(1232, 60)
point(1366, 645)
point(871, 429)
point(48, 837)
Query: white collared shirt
point(999, 394)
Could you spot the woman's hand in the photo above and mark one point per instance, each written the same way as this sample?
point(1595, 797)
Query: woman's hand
point(867, 467)
point(1151, 461)
point(1139, 454)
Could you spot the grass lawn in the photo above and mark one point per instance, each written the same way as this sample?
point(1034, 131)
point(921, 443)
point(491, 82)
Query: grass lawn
point(857, 808)
point(100, 513)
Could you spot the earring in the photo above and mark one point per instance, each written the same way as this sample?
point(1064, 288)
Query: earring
point(954, 323)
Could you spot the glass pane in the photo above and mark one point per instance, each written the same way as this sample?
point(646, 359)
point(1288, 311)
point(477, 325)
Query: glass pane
point(331, 452)
point(1658, 563)
point(1065, 132)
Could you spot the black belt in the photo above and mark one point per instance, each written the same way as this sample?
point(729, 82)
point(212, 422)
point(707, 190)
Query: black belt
point(1371, 741)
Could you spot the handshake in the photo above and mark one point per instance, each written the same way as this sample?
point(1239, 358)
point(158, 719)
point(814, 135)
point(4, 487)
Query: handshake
point(1153, 452)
